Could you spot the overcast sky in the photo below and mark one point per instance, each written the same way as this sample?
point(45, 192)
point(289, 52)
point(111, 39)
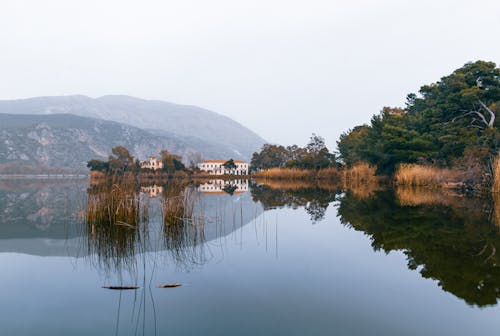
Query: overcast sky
point(284, 69)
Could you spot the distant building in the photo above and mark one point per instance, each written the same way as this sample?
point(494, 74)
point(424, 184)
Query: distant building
point(216, 167)
point(152, 163)
point(224, 187)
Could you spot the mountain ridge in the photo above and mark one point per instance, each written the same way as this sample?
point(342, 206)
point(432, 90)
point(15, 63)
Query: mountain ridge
point(156, 116)
point(66, 140)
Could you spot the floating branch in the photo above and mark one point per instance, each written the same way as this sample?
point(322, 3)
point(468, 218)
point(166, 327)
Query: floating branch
point(121, 287)
point(169, 285)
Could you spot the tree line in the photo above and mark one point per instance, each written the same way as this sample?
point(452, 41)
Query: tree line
point(448, 123)
point(315, 155)
point(122, 161)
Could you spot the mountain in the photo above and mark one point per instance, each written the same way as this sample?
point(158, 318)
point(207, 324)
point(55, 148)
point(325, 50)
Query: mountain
point(210, 133)
point(66, 140)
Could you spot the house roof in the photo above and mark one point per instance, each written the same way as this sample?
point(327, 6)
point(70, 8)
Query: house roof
point(221, 161)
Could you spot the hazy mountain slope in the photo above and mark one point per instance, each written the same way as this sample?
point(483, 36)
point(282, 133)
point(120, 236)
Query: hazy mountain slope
point(65, 140)
point(199, 125)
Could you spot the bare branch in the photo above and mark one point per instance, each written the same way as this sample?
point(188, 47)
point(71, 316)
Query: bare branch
point(492, 115)
point(483, 119)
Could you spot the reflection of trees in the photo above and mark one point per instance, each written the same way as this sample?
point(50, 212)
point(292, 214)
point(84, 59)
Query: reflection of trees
point(312, 197)
point(452, 242)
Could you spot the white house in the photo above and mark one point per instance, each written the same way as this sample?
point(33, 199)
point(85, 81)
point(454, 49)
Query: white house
point(152, 163)
point(216, 167)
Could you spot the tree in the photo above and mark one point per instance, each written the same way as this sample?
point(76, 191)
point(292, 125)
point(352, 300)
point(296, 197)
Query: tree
point(353, 145)
point(316, 144)
point(171, 162)
point(229, 165)
point(270, 156)
point(121, 161)
point(314, 156)
point(98, 165)
point(446, 119)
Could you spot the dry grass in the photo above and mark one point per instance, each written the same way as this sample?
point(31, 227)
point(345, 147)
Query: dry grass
point(329, 174)
point(496, 175)
point(286, 174)
point(428, 176)
point(360, 180)
point(298, 174)
point(361, 173)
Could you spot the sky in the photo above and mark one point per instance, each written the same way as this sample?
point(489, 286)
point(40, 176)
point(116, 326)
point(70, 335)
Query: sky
point(284, 69)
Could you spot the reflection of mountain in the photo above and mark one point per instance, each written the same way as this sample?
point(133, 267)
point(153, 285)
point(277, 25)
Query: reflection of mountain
point(42, 210)
point(226, 214)
point(47, 217)
point(451, 240)
point(39, 217)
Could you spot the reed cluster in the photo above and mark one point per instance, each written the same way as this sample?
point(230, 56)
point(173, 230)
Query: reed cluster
point(178, 207)
point(361, 173)
point(429, 176)
point(113, 217)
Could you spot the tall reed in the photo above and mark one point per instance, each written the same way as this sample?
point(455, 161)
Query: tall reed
point(361, 173)
point(114, 215)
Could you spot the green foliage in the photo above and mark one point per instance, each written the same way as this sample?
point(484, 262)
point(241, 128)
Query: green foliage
point(98, 165)
point(230, 165)
point(314, 156)
point(447, 118)
point(229, 189)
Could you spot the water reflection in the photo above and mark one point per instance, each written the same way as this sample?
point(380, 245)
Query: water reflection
point(41, 217)
point(219, 186)
point(127, 231)
point(125, 218)
point(446, 238)
point(313, 197)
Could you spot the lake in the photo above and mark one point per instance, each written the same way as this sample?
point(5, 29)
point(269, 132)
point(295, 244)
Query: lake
point(252, 258)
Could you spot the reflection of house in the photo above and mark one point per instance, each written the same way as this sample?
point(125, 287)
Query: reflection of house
point(152, 163)
point(216, 167)
point(224, 187)
point(152, 191)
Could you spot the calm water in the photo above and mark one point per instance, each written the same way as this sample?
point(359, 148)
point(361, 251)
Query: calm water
point(253, 260)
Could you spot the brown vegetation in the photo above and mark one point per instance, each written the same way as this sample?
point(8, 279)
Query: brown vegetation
point(414, 196)
point(299, 184)
point(361, 173)
point(298, 174)
point(428, 176)
point(360, 180)
point(496, 175)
